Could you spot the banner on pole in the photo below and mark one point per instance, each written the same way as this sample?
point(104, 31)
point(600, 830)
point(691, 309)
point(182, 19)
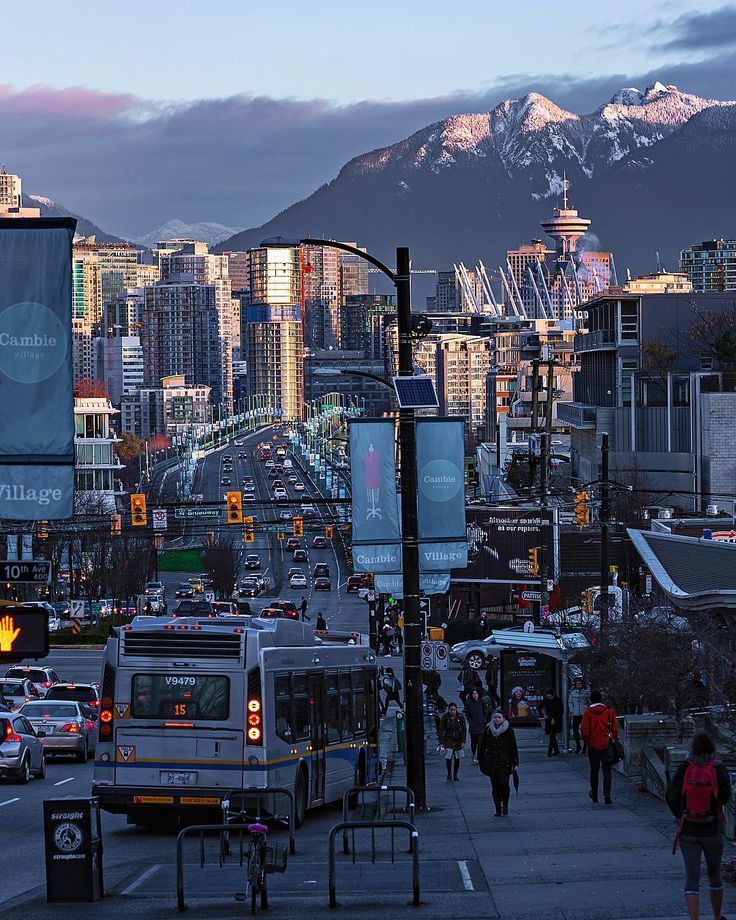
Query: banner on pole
point(441, 494)
point(36, 382)
point(375, 509)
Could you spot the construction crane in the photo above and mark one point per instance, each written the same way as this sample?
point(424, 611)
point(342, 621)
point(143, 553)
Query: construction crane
point(488, 289)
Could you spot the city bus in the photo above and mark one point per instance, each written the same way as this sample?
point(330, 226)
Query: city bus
point(192, 710)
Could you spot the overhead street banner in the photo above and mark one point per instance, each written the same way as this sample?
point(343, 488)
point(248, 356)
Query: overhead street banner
point(36, 381)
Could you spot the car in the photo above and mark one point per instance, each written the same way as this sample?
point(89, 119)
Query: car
point(226, 458)
point(272, 474)
point(319, 542)
point(206, 580)
point(277, 484)
point(249, 587)
point(299, 580)
point(242, 456)
point(280, 495)
point(48, 609)
point(193, 607)
point(307, 509)
point(22, 753)
point(278, 613)
point(321, 569)
point(279, 467)
point(41, 677)
point(295, 570)
point(285, 515)
point(293, 543)
point(62, 609)
point(269, 464)
point(154, 604)
point(293, 479)
point(16, 691)
point(322, 584)
point(225, 481)
point(288, 464)
point(224, 609)
point(249, 496)
point(62, 727)
point(196, 582)
point(356, 582)
point(249, 486)
point(252, 561)
point(155, 587)
point(85, 694)
point(184, 590)
point(298, 486)
point(476, 652)
point(300, 555)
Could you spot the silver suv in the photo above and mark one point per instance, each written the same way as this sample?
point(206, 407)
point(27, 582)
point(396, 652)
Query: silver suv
point(21, 751)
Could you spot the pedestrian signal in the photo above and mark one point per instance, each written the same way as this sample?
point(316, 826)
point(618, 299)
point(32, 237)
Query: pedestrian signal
point(582, 508)
point(234, 507)
point(298, 527)
point(138, 509)
point(534, 560)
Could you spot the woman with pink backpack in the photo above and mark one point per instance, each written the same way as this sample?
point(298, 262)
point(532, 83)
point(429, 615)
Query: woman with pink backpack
point(698, 790)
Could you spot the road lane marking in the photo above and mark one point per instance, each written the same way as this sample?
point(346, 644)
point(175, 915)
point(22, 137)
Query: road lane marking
point(63, 782)
point(10, 801)
point(467, 880)
point(136, 883)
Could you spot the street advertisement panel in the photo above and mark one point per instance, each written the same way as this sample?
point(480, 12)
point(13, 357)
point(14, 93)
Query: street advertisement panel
point(37, 418)
point(525, 678)
point(375, 509)
point(499, 540)
point(441, 493)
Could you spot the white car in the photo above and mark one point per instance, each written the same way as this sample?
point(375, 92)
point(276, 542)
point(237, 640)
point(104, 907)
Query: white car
point(285, 515)
point(298, 580)
point(298, 486)
point(279, 494)
point(269, 464)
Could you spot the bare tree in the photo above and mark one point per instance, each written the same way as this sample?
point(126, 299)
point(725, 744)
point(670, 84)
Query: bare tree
point(713, 333)
point(221, 561)
point(130, 564)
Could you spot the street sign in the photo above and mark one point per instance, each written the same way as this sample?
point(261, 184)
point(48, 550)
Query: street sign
point(24, 633)
point(531, 595)
point(76, 609)
point(36, 572)
point(194, 512)
point(529, 626)
point(427, 656)
point(160, 519)
point(435, 656)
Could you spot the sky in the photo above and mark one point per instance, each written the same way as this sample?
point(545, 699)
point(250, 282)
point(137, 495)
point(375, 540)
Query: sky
point(230, 110)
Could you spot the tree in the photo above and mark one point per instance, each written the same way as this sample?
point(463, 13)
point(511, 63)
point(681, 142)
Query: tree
point(90, 388)
point(221, 561)
point(129, 447)
point(159, 442)
point(130, 564)
point(659, 360)
point(713, 334)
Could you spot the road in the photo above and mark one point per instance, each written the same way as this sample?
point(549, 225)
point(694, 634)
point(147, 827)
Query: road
point(20, 806)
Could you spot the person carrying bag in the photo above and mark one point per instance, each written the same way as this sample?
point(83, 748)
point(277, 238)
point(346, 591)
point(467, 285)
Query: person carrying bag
point(599, 729)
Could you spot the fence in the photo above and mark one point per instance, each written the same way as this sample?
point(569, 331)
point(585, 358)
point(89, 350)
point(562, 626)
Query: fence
point(257, 793)
point(382, 793)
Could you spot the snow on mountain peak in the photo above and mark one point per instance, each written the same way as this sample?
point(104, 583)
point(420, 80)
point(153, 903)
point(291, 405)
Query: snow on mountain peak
point(657, 88)
point(629, 95)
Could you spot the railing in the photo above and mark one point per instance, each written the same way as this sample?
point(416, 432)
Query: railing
point(580, 415)
point(257, 792)
point(603, 338)
point(372, 826)
point(381, 793)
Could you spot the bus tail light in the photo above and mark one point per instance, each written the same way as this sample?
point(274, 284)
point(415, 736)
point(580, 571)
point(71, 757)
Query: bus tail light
point(106, 703)
point(254, 709)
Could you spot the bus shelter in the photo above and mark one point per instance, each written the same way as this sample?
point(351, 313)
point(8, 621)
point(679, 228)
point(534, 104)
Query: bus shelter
point(533, 662)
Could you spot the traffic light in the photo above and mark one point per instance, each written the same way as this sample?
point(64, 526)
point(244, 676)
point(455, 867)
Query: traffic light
point(248, 534)
point(582, 509)
point(298, 527)
point(534, 560)
point(328, 532)
point(116, 524)
point(138, 509)
point(234, 507)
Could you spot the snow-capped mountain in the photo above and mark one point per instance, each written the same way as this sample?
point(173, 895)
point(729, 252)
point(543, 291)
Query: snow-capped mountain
point(477, 184)
point(204, 231)
point(51, 208)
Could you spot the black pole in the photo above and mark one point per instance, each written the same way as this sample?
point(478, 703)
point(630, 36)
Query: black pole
point(604, 533)
point(415, 778)
point(543, 529)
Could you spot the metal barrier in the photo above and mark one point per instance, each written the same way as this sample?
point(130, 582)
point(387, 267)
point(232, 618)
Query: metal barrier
point(203, 829)
point(373, 826)
point(361, 791)
point(228, 814)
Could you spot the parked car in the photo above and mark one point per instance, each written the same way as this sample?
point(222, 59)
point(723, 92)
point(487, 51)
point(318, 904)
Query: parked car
point(16, 691)
point(477, 652)
point(322, 584)
point(252, 561)
point(184, 590)
point(86, 694)
point(42, 678)
point(62, 727)
point(22, 753)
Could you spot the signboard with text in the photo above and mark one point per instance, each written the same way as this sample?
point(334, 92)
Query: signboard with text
point(499, 540)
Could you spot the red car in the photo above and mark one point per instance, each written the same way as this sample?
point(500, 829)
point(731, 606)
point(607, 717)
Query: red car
point(322, 584)
point(319, 542)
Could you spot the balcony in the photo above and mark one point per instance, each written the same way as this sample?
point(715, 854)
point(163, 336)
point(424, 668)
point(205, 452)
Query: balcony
point(577, 415)
point(593, 341)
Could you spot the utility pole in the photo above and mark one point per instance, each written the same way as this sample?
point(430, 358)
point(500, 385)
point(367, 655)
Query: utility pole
point(604, 512)
point(415, 777)
point(535, 393)
point(550, 388)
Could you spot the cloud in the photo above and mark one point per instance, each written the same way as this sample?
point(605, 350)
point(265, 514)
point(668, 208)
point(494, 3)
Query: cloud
point(132, 164)
point(704, 31)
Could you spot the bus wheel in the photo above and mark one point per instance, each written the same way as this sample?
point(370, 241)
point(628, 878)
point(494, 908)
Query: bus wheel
point(300, 798)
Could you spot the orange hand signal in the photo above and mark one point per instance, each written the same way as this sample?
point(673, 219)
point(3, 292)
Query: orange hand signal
point(9, 632)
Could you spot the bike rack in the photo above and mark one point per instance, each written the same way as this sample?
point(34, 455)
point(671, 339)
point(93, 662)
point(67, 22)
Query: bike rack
point(373, 826)
point(376, 790)
point(202, 829)
point(256, 792)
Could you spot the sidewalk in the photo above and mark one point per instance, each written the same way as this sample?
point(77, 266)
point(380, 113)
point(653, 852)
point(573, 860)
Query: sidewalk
point(558, 856)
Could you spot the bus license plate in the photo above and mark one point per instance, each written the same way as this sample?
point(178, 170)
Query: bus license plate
point(181, 779)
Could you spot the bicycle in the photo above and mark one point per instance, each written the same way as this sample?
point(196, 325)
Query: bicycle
point(262, 860)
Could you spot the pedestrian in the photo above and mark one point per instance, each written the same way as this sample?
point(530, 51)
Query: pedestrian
point(392, 688)
point(470, 680)
point(598, 727)
point(577, 702)
point(498, 757)
point(321, 624)
point(698, 790)
point(453, 732)
point(491, 676)
point(303, 606)
point(475, 714)
point(553, 712)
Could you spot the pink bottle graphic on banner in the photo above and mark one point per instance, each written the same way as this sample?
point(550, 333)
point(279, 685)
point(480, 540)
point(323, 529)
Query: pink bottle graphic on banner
point(371, 461)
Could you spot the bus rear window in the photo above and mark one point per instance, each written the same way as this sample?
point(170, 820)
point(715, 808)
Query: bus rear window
point(180, 696)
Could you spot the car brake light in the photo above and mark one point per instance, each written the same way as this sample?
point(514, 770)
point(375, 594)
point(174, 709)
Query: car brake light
point(94, 703)
point(10, 735)
point(46, 683)
point(71, 727)
point(90, 724)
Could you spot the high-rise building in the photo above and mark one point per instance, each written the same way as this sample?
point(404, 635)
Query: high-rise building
point(119, 365)
point(170, 408)
point(118, 263)
point(194, 259)
point(711, 265)
point(359, 330)
point(10, 189)
point(123, 315)
point(463, 362)
point(188, 331)
point(238, 267)
point(321, 286)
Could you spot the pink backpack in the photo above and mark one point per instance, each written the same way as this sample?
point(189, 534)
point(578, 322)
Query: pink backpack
point(699, 786)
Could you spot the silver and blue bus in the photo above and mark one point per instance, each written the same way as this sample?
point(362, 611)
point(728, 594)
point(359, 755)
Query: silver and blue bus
point(192, 710)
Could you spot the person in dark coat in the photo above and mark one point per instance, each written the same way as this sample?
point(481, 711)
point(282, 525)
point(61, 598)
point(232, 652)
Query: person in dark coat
point(703, 836)
point(475, 714)
point(453, 732)
point(498, 756)
point(553, 712)
point(470, 679)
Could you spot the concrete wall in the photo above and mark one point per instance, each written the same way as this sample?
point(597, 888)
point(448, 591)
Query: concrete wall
point(718, 443)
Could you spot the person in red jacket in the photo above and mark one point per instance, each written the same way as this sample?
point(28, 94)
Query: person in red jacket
point(598, 726)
